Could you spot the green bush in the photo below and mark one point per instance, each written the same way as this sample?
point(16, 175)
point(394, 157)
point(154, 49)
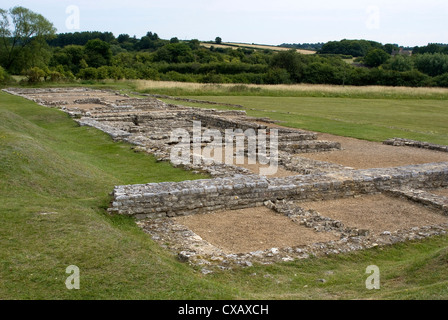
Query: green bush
point(34, 74)
point(212, 77)
point(441, 81)
point(320, 73)
point(56, 76)
point(149, 74)
point(102, 73)
point(376, 57)
point(277, 76)
point(88, 73)
point(400, 63)
point(412, 78)
point(433, 64)
point(176, 76)
point(3, 75)
point(355, 48)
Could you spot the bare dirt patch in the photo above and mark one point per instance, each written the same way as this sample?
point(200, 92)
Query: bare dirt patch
point(258, 229)
point(377, 213)
point(360, 154)
point(251, 229)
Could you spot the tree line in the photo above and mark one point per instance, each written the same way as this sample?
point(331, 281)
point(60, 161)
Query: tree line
point(30, 46)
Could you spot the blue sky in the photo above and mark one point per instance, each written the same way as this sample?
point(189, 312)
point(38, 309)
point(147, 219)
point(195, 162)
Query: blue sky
point(406, 22)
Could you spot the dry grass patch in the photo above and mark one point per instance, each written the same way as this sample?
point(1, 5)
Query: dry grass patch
point(311, 89)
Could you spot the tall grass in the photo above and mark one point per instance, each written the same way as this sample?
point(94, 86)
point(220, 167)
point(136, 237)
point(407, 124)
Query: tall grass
point(296, 90)
point(173, 88)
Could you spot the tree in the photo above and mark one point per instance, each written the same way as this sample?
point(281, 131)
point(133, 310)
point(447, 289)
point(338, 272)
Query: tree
point(218, 40)
point(98, 53)
point(356, 48)
point(72, 57)
point(433, 64)
point(400, 63)
point(291, 61)
point(390, 48)
point(430, 48)
point(174, 53)
point(376, 57)
point(123, 38)
point(19, 29)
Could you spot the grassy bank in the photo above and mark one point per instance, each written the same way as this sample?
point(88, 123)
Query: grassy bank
point(55, 178)
point(55, 181)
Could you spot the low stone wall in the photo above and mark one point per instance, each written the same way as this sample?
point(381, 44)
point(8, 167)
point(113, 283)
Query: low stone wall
point(297, 147)
point(423, 197)
point(162, 96)
point(399, 142)
point(219, 122)
point(115, 133)
point(202, 196)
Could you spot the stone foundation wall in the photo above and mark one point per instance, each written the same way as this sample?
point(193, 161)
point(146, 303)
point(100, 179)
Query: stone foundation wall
point(426, 198)
point(220, 122)
point(202, 196)
point(296, 147)
point(399, 142)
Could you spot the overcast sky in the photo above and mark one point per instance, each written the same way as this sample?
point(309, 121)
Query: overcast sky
point(405, 22)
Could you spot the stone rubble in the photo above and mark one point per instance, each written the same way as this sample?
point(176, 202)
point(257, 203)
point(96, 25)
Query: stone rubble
point(146, 123)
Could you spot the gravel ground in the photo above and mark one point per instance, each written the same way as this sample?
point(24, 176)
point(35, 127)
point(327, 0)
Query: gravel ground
point(260, 228)
point(377, 213)
point(251, 229)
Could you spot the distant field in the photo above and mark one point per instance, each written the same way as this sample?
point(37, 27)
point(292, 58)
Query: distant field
point(236, 45)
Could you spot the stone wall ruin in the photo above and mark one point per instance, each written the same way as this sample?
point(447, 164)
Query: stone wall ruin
point(146, 123)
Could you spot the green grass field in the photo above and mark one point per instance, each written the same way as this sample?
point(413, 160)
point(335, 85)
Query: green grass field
point(368, 119)
point(55, 180)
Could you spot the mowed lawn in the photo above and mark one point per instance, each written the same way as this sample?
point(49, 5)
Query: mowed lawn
point(368, 119)
point(55, 180)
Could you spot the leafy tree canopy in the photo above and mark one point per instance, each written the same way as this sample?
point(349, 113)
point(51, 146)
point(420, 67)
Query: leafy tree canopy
point(376, 57)
point(19, 28)
point(355, 48)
